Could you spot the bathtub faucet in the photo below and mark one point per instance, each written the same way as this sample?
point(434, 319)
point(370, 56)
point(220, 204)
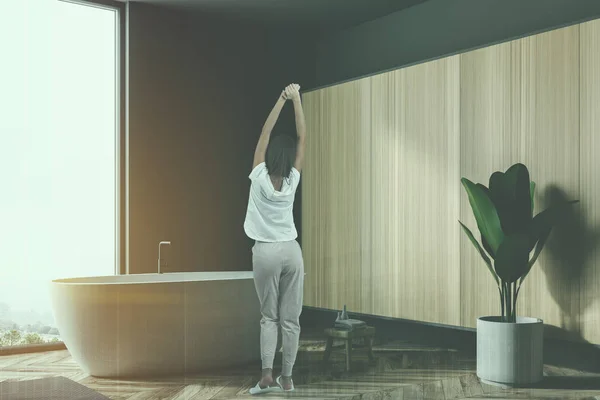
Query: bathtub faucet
point(159, 246)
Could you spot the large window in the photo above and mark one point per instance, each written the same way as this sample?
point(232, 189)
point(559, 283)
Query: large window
point(60, 141)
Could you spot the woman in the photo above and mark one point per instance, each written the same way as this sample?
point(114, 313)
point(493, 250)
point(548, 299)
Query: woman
point(276, 256)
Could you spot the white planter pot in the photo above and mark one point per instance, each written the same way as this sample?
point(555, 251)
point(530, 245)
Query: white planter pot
point(510, 354)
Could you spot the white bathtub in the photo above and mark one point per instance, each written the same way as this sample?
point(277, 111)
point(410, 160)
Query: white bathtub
point(158, 324)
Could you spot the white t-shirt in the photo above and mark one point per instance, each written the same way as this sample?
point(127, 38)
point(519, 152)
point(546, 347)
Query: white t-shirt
point(269, 217)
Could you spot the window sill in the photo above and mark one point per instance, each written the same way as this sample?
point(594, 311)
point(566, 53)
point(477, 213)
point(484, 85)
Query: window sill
point(31, 348)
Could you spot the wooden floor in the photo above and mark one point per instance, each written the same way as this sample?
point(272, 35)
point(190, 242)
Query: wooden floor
point(401, 371)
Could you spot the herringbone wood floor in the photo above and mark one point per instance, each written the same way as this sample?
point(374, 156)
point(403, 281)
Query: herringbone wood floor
point(401, 371)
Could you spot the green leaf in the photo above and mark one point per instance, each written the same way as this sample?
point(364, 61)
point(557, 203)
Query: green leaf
point(510, 193)
point(484, 242)
point(484, 189)
point(481, 252)
point(513, 257)
point(519, 182)
point(538, 249)
point(532, 192)
point(486, 215)
point(487, 247)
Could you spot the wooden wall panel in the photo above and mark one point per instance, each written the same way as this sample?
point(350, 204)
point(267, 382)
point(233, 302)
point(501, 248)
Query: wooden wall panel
point(312, 230)
point(386, 209)
point(590, 179)
point(382, 191)
point(490, 141)
point(335, 185)
point(415, 148)
point(550, 148)
point(520, 104)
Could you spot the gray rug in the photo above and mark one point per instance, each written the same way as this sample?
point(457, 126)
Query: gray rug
point(56, 388)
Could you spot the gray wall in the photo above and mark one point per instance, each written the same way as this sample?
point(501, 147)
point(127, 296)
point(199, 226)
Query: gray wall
point(199, 91)
point(438, 28)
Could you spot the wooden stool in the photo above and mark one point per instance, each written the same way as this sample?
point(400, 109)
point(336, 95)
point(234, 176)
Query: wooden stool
point(367, 334)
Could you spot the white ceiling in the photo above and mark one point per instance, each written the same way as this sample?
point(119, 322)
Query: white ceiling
point(324, 15)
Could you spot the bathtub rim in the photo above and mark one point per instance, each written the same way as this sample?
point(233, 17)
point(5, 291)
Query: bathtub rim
point(219, 276)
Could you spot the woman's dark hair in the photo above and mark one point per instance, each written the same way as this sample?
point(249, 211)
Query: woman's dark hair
point(281, 154)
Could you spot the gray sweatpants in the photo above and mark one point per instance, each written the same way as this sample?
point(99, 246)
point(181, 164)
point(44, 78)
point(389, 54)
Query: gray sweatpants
point(279, 280)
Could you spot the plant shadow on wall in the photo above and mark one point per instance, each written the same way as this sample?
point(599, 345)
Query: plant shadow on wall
point(568, 250)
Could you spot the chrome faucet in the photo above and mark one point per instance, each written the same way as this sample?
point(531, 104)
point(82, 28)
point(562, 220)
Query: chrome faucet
point(159, 246)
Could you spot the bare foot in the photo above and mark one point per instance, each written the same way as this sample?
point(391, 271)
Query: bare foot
point(267, 378)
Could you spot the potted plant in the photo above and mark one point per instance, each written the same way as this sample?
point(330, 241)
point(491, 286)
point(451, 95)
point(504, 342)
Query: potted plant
point(509, 348)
